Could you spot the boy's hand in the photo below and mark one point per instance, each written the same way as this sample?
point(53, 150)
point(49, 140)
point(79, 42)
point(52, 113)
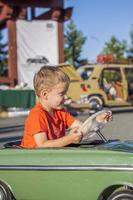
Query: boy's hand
point(75, 135)
point(104, 117)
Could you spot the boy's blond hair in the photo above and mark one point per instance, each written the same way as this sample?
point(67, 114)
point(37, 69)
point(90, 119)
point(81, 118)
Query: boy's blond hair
point(47, 77)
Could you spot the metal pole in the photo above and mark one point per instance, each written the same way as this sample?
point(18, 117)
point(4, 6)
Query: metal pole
point(101, 136)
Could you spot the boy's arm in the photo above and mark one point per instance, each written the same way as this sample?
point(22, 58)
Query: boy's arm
point(42, 141)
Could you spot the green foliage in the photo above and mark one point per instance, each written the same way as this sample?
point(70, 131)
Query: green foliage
point(115, 47)
point(130, 51)
point(3, 57)
point(74, 41)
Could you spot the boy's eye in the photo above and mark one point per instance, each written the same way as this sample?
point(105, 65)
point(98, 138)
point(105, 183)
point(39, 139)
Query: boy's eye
point(61, 94)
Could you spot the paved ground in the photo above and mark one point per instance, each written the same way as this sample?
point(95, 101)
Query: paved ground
point(12, 121)
point(12, 133)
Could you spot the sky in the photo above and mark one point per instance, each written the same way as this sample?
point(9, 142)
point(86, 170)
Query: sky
point(99, 20)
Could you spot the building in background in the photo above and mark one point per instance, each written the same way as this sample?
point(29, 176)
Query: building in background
point(32, 39)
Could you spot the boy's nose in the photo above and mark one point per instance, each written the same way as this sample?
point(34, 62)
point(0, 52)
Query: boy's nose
point(67, 100)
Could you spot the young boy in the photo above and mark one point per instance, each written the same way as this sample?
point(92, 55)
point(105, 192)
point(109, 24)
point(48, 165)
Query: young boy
point(48, 120)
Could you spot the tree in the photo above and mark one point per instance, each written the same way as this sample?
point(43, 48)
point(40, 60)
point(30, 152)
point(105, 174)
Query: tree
point(74, 41)
point(115, 47)
point(130, 50)
point(3, 56)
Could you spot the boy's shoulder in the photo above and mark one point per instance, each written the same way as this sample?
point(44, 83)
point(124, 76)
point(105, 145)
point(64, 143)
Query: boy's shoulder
point(37, 109)
point(37, 113)
point(37, 106)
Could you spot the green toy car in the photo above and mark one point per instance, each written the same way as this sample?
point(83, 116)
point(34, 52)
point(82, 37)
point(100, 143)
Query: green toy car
point(92, 170)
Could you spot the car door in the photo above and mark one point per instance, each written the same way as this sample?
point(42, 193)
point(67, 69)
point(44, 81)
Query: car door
point(112, 84)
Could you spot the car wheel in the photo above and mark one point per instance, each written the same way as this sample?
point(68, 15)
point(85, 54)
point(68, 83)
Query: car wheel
point(5, 194)
point(96, 102)
point(122, 195)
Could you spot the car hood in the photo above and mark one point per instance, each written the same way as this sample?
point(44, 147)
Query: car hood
point(125, 146)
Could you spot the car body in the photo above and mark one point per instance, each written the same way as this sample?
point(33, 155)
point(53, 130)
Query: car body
point(87, 171)
point(77, 89)
point(104, 79)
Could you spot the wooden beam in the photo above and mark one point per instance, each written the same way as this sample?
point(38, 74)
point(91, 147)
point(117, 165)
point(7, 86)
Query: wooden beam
point(67, 13)
point(5, 80)
point(53, 14)
point(12, 50)
point(5, 13)
point(22, 13)
point(35, 3)
point(3, 25)
point(61, 41)
point(57, 14)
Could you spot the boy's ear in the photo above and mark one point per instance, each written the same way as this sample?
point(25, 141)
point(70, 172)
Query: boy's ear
point(43, 94)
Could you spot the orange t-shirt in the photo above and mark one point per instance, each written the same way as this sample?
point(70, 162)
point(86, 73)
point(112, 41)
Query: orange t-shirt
point(39, 120)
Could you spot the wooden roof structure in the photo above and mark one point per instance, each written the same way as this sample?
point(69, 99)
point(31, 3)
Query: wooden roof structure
point(10, 11)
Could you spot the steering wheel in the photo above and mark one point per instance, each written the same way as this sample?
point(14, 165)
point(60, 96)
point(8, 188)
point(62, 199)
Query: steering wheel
point(91, 126)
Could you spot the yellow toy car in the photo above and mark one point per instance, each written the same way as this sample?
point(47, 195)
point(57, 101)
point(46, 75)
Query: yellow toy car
point(109, 84)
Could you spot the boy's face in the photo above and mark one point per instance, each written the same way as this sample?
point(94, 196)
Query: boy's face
point(57, 96)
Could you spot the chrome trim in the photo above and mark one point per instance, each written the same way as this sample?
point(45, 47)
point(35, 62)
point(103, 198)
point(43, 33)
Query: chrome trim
point(67, 168)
